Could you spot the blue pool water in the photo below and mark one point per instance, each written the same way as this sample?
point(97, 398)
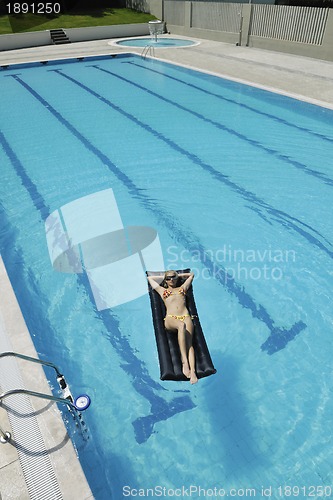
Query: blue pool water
point(237, 183)
point(161, 42)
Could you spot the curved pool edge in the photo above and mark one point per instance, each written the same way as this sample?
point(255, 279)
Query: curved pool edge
point(121, 42)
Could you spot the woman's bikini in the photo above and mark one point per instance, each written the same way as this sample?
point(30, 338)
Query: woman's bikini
point(168, 293)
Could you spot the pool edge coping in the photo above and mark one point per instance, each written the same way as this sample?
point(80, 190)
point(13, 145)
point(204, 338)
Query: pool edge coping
point(132, 51)
point(115, 42)
point(274, 90)
point(60, 449)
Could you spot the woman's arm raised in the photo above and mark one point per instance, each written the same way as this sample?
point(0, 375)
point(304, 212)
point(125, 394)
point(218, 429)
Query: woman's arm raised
point(154, 281)
point(188, 282)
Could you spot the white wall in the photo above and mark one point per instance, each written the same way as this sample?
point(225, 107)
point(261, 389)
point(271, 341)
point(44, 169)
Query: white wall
point(40, 38)
point(23, 40)
point(103, 32)
point(207, 18)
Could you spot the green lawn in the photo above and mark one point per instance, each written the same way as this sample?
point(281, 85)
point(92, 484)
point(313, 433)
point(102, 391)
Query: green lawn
point(73, 19)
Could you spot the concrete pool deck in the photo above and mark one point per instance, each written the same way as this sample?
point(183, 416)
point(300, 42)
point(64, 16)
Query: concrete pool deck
point(301, 77)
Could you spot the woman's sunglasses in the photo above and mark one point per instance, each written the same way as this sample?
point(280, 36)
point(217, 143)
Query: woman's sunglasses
point(168, 278)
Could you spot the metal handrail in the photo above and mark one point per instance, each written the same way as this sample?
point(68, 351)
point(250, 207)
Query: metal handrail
point(38, 395)
point(6, 436)
point(148, 49)
point(34, 360)
point(144, 52)
point(79, 404)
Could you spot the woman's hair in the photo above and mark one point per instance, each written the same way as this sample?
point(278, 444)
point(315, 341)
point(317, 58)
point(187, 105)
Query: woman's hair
point(166, 274)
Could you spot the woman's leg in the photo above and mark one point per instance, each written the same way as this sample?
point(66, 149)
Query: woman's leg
point(190, 350)
point(185, 333)
point(180, 327)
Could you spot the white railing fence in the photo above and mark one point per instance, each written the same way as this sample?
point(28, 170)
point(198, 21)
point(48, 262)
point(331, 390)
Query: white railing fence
point(174, 12)
point(216, 16)
point(293, 24)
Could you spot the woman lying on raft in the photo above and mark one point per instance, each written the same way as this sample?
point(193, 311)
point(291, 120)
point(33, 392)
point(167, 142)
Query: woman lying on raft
point(177, 319)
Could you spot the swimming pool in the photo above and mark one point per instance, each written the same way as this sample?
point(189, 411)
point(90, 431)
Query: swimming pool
point(160, 43)
point(237, 183)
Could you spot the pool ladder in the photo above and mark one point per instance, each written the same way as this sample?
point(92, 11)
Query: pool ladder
point(149, 50)
point(67, 398)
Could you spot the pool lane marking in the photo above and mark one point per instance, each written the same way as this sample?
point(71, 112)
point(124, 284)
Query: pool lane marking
point(279, 337)
point(232, 101)
point(247, 195)
point(282, 218)
point(37, 199)
point(300, 166)
point(141, 380)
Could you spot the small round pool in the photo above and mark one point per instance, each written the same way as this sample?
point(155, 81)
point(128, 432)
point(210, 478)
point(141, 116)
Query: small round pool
point(160, 43)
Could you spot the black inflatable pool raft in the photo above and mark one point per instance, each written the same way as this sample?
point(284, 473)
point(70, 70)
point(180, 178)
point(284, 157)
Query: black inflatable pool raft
point(167, 343)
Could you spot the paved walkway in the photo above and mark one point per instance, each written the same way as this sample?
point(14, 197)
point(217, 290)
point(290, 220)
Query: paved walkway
point(307, 78)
